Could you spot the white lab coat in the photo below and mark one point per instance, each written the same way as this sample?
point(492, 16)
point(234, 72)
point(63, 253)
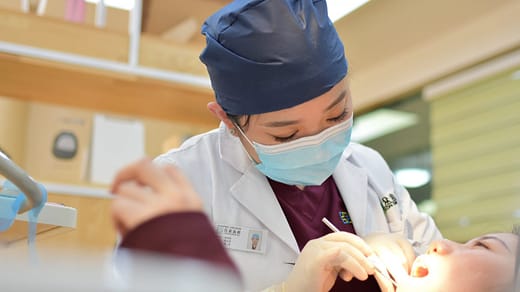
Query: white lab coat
point(236, 193)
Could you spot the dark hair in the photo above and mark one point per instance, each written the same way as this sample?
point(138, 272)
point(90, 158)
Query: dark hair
point(236, 120)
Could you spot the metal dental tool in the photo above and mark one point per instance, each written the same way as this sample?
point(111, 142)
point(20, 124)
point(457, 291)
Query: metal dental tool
point(374, 259)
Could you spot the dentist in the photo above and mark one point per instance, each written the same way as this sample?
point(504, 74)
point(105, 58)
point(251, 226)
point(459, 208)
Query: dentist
point(282, 159)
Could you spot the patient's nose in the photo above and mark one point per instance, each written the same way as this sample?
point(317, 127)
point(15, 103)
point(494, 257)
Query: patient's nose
point(441, 247)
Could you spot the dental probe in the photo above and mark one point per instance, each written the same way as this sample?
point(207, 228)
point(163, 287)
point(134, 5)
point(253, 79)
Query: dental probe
point(374, 259)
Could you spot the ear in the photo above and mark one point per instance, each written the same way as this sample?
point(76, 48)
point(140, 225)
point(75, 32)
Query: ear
point(219, 113)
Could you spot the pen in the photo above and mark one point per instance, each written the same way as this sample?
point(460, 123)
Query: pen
point(378, 264)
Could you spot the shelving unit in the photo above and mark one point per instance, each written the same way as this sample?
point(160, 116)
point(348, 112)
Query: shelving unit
point(52, 61)
point(83, 66)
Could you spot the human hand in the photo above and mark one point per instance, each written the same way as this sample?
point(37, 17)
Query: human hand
point(396, 253)
point(144, 190)
point(324, 258)
point(383, 278)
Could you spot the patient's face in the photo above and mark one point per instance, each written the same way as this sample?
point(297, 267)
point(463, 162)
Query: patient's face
point(481, 264)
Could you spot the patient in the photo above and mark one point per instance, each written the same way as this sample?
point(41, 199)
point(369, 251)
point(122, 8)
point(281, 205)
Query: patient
point(150, 197)
point(485, 263)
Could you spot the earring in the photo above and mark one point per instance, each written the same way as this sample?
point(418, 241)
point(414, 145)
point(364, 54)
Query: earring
point(233, 132)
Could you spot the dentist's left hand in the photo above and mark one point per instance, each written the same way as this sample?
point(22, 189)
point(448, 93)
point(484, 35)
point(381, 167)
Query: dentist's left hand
point(144, 190)
point(396, 253)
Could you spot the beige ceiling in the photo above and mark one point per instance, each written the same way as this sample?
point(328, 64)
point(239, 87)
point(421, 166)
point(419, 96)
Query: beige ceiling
point(160, 16)
point(382, 28)
point(377, 30)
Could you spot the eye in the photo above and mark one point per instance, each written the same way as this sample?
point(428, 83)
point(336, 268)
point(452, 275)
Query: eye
point(284, 139)
point(481, 244)
point(339, 118)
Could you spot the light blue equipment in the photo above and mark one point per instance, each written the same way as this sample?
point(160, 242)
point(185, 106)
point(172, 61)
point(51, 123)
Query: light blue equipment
point(19, 194)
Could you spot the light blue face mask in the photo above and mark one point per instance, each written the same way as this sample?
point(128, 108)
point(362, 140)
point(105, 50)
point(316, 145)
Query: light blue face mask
point(306, 161)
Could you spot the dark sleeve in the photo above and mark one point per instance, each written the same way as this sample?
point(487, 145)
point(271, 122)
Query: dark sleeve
point(188, 234)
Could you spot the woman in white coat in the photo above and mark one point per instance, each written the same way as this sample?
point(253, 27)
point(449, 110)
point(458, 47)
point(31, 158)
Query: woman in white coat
point(282, 158)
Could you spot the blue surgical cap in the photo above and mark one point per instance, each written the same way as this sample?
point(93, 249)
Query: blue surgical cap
point(268, 55)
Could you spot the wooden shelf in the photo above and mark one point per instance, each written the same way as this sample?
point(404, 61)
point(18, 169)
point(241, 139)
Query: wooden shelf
point(35, 79)
point(55, 34)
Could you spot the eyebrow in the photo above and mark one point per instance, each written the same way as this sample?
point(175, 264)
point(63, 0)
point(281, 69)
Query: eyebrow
point(497, 239)
point(340, 97)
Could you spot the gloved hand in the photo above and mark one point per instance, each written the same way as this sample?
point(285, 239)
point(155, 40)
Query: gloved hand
point(144, 190)
point(396, 253)
point(324, 258)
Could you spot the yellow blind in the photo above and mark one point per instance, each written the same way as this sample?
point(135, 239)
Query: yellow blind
point(475, 136)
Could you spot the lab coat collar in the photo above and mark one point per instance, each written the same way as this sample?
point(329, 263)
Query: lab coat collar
point(252, 189)
point(352, 183)
point(232, 151)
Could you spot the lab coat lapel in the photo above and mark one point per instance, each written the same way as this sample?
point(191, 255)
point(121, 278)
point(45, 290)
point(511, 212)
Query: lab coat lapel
point(253, 191)
point(352, 183)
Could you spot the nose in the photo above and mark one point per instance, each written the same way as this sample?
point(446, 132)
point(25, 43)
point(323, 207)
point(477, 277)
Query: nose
point(441, 247)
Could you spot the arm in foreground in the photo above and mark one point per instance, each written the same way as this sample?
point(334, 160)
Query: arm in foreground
point(155, 209)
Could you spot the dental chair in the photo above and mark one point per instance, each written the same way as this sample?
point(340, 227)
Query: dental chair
point(29, 195)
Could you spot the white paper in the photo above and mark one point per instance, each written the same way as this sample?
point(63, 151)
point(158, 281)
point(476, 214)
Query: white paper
point(116, 142)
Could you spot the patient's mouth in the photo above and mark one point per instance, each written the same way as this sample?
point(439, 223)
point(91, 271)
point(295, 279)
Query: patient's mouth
point(419, 268)
point(420, 272)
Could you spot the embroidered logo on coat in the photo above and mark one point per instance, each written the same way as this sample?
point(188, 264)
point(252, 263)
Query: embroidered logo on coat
point(345, 217)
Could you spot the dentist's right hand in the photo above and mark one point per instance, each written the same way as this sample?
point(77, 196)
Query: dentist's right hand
point(323, 259)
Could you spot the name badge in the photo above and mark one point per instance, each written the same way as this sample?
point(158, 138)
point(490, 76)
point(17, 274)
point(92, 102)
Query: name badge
point(390, 206)
point(243, 238)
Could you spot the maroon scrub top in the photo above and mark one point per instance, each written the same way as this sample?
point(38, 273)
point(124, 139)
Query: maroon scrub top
point(304, 210)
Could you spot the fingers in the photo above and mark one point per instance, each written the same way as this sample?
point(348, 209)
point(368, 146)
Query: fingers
point(397, 260)
point(395, 268)
point(323, 259)
point(355, 267)
point(352, 239)
point(131, 190)
point(346, 275)
point(394, 250)
point(175, 175)
point(126, 173)
point(384, 284)
point(400, 247)
point(145, 190)
point(408, 252)
point(124, 212)
point(143, 172)
point(345, 256)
